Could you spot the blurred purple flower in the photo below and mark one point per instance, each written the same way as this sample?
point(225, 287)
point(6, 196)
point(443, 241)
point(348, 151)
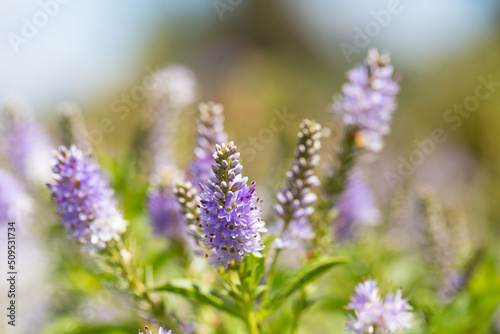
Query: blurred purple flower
point(377, 316)
point(174, 89)
point(230, 216)
point(165, 212)
point(15, 204)
point(85, 201)
point(210, 131)
point(355, 207)
point(25, 144)
point(368, 100)
point(295, 200)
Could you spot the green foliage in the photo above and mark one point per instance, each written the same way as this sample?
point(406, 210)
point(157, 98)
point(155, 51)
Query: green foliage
point(299, 279)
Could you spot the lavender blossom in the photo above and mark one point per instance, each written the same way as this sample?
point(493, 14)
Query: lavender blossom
point(85, 201)
point(296, 199)
point(210, 131)
point(160, 331)
point(15, 204)
point(355, 207)
point(230, 216)
point(376, 315)
point(368, 100)
point(25, 143)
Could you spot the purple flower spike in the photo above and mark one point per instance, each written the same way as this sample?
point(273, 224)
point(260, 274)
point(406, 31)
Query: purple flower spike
point(375, 315)
point(230, 215)
point(356, 207)
point(294, 201)
point(210, 132)
point(368, 100)
point(85, 201)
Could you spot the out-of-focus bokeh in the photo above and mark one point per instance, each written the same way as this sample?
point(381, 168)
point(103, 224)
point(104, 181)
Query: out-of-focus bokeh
point(274, 59)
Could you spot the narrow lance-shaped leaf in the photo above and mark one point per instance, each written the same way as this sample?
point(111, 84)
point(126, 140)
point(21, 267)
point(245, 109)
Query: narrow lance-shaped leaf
point(196, 293)
point(301, 278)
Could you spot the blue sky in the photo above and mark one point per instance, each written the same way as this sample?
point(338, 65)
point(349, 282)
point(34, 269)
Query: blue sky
point(89, 46)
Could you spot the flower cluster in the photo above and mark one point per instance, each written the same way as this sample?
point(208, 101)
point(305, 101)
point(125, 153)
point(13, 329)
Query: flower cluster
point(375, 315)
point(25, 144)
point(368, 100)
point(296, 199)
point(210, 131)
point(160, 331)
point(230, 216)
point(355, 206)
point(85, 201)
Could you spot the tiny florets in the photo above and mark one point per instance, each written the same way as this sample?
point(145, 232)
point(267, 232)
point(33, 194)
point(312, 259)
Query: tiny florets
point(230, 220)
point(374, 315)
point(368, 100)
point(84, 199)
point(295, 200)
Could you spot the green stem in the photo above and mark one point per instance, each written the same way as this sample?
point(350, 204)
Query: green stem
point(298, 310)
point(335, 183)
point(248, 302)
point(271, 275)
point(139, 290)
point(252, 323)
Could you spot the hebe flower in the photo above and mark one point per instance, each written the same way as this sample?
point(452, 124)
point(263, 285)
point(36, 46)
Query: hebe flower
point(296, 199)
point(25, 144)
point(160, 331)
point(368, 100)
point(230, 215)
point(375, 315)
point(210, 131)
point(355, 206)
point(84, 199)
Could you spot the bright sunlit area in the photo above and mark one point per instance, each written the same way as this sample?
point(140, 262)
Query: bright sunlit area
point(237, 166)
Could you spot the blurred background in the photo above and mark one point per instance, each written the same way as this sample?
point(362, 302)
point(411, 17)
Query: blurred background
point(266, 58)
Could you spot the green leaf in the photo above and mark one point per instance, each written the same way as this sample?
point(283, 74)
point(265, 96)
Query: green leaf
point(301, 278)
point(259, 290)
point(203, 295)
